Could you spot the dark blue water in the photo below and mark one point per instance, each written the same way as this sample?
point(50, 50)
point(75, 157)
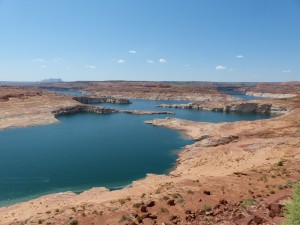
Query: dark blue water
point(89, 150)
point(84, 151)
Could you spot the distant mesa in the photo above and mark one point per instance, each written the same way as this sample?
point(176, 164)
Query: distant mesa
point(52, 80)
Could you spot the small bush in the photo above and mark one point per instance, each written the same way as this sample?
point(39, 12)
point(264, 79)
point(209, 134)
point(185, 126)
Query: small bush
point(280, 187)
point(175, 195)
point(73, 222)
point(180, 200)
point(123, 218)
point(122, 201)
point(206, 207)
point(163, 210)
point(138, 204)
point(293, 209)
point(289, 183)
point(208, 218)
point(190, 192)
point(280, 163)
point(247, 202)
point(166, 198)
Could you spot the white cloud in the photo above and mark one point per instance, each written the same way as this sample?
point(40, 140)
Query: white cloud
point(43, 66)
point(187, 65)
point(38, 60)
point(221, 68)
point(121, 61)
point(150, 61)
point(132, 52)
point(286, 71)
point(162, 61)
point(90, 66)
point(67, 67)
point(240, 56)
point(57, 59)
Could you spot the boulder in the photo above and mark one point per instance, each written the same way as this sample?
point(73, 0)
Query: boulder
point(144, 209)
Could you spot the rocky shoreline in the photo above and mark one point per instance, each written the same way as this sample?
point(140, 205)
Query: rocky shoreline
point(270, 95)
point(97, 100)
point(238, 106)
point(102, 110)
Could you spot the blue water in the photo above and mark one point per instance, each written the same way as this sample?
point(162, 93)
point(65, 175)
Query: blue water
point(89, 150)
point(84, 151)
point(69, 92)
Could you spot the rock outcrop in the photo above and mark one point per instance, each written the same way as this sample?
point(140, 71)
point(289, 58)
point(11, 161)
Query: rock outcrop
point(104, 99)
point(270, 95)
point(102, 110)
point(83, 108)
point(238, 106)
point(145, 112)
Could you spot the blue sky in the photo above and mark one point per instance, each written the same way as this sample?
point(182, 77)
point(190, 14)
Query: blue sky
point(180, 40)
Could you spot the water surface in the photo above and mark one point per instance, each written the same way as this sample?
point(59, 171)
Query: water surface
point(89, 150)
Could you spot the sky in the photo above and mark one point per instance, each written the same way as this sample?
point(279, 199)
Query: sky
point(176, 40)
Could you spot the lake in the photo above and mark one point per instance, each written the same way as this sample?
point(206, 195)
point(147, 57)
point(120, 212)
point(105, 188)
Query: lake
point(88, 150)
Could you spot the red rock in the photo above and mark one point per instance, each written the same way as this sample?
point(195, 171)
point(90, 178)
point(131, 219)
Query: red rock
point(144, 208)
point(275, 209)
point(171, 202)
point(223, 202)
point(207, 192)
point(188, 211)
point(247, 220)
point(152, 217)
point(150, 204)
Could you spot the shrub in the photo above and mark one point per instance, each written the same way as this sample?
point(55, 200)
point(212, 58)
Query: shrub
point(206, 207)
point(190, 192)
point(180, 200)
point(73, 222)
point(123, 218)
point(175, 195)
point(289, 183)
point(163, 210)
point(138, 204)
point(280, 163)
point(247, 202)
point(280, 187)
point(293, 209)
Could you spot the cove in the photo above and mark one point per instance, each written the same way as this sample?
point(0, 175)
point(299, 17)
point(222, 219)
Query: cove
point(89, 150)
